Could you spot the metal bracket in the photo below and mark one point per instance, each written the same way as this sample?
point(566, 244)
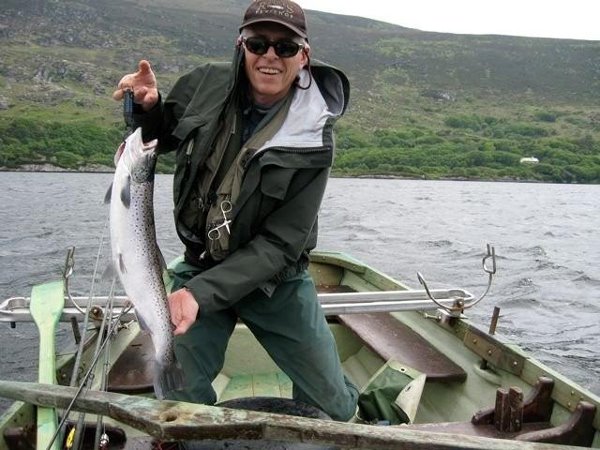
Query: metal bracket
point(461, 304)
point(493, 351)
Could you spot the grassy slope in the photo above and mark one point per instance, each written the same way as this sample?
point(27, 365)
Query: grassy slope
point(414, 94)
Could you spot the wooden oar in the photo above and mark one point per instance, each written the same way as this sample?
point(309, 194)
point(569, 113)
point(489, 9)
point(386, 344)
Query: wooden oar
point(173, 420)
point(47, 302)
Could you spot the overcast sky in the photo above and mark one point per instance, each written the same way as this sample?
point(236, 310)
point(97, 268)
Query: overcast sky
point(568, 19)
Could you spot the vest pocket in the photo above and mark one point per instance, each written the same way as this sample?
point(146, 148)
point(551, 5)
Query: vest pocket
point(275, 181)
point(190, 154)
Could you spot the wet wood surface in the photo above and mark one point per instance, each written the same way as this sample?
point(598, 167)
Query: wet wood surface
point(169, 420)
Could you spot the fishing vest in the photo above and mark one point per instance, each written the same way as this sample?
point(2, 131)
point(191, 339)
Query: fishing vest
point(211, 211)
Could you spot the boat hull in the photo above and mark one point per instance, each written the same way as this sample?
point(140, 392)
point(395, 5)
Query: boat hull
point(446, 370)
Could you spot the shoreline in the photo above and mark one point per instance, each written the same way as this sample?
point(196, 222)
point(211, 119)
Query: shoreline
point(49, 168)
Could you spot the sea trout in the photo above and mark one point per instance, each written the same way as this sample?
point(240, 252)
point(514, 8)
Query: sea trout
point(135, 254)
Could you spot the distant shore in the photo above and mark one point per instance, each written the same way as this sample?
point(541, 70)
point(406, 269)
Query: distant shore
point(49, 168)
point(93, 168)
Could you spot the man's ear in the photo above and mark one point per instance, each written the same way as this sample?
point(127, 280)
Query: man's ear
point(306, 50)
point(305, 56)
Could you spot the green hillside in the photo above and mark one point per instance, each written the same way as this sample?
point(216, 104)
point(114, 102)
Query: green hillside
point(426, 105)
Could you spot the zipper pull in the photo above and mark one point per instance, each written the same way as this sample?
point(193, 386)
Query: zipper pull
point(189, 150)
point(234, 124)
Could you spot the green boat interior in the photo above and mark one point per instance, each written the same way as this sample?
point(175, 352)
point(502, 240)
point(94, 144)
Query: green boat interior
point(416, 371)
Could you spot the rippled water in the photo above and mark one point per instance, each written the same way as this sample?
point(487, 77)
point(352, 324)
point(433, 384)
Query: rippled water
point(546, 238)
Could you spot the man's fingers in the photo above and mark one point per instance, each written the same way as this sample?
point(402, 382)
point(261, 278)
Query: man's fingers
point(183, 309)
point(118, 94)
point(150, 99)
point(139, 94)
point(183, 326)
point(142, 82)
point(144, 67)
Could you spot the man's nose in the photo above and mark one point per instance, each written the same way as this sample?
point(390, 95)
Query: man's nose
point(271, 52)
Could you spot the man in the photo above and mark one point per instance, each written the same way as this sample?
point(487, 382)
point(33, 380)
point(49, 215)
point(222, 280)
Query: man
point(254, 147)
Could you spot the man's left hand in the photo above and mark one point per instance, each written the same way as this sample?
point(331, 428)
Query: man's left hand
point(184, 310)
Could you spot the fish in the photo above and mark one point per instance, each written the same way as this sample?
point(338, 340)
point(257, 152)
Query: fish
point(136, 257)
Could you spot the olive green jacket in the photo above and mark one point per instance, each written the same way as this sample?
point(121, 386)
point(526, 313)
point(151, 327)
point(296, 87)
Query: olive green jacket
point(275, 216)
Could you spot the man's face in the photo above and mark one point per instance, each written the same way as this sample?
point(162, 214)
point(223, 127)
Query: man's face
point(271, 76)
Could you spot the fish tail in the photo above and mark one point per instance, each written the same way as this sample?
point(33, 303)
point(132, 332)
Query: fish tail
point(168, 378)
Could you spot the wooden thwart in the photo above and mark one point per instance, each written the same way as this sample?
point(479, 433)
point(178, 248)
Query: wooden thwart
point(381, 332)
point(393, 340)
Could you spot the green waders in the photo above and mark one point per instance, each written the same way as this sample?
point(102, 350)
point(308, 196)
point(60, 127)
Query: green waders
point(290, 326)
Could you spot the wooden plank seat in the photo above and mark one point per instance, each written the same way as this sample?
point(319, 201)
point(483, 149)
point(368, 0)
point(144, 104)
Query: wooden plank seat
point(393, 340)
point(132, 372)
point(389, 338)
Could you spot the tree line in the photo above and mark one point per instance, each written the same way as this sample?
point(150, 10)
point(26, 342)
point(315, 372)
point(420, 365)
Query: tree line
point(467, 147)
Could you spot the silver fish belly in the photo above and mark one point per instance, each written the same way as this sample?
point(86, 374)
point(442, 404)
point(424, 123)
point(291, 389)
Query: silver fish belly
point(136, 257)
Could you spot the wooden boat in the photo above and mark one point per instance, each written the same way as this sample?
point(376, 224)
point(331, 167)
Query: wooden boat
point(429, 379)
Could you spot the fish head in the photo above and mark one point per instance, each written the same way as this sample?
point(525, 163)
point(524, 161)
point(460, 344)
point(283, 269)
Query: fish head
point(138, 157)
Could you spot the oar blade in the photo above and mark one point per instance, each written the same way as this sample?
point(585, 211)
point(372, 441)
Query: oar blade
point(46, 306)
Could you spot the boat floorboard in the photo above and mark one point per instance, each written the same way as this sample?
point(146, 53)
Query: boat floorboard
point(258, 385)
point(392, 340)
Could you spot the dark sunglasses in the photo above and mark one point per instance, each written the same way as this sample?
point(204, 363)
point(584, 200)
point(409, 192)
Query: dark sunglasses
point(284, 48)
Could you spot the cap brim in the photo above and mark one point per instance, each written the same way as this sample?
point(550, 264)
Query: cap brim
point(280, 22)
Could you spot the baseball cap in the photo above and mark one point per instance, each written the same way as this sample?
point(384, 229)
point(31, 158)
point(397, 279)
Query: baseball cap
point(284, 12)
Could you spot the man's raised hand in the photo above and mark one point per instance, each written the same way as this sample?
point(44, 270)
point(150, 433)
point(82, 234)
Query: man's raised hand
point(142, 83)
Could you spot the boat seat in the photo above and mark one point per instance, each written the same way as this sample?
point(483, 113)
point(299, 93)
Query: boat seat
point(389, 338)
point(392, 340)
point(132, 372)
point(515, 418)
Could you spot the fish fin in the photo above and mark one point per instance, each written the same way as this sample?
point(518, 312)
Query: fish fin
point(108, 194)
point(122, 267)
point(112, 271)
point(168, 379)
point(119, 153)
point(126, 193)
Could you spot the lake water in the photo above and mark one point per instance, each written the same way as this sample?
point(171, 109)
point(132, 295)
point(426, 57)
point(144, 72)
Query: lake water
point(546, 238)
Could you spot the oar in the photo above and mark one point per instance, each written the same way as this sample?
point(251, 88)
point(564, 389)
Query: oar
point(47, 302)
point(169, 420)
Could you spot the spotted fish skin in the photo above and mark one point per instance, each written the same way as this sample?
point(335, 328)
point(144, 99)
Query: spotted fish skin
point(135, 254)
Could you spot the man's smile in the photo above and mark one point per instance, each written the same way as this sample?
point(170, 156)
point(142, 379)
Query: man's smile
point(269, 70)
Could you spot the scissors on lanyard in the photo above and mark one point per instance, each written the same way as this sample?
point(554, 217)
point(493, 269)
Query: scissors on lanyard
point(215, 233)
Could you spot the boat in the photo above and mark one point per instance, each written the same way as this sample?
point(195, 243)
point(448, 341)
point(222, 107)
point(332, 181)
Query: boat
point(429, 378)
